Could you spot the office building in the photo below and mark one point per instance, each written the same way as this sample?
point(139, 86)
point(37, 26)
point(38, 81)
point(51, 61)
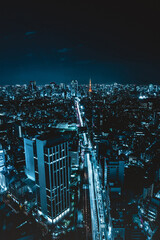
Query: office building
point(74, 156)
point(29, 158)
point(3, 184)
point(148, 191)
point(115, 171)
point(2, 158)
point(52, 171)
point(32, 85)
point(74, 88)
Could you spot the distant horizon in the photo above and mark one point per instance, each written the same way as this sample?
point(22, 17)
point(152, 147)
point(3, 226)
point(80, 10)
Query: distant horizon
point(87, 83)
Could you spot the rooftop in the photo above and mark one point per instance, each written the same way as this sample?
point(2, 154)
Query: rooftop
point(55, 137)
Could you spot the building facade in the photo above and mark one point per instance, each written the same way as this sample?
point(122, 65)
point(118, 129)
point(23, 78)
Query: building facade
point(29, 158)
point(52, 172)
point(74, 88)
point(115, 171)
point(2, 158)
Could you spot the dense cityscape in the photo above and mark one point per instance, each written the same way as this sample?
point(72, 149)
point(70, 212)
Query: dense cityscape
point(79, 120)
point(80, 161)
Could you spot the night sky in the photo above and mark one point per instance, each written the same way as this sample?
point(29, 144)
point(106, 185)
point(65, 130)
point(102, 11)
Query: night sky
point(108, 41)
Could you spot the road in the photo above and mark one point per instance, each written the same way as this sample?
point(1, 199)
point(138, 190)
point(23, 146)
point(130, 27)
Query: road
point(86, 200)
point(100, 229)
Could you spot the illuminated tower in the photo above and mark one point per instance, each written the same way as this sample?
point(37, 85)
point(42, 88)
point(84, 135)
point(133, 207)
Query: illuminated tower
point(90, 86)
point(52, 174)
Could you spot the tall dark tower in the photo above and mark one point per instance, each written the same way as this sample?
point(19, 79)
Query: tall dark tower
point(90, 86)
point(52, 174)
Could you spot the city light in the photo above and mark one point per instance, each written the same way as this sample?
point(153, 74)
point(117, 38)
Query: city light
point(82, 161)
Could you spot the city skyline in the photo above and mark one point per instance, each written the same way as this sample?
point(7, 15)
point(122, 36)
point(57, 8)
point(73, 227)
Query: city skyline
point(80, 161)
point(80, 120)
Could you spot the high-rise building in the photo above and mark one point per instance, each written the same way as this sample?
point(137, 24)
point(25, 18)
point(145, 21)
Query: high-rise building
point(2, 170)
point(32, 85)
point(151, 87)
point(111, 168)
point(103, 149)
point(115, 171)
point(3, 182)
point(52, 171)
point(148, 191)
point(74, 155)
point(29, 158)
point(74, 88)
point(2, 158)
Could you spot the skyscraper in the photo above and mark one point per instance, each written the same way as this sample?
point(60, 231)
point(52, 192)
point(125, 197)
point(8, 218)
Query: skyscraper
point(115, 171)
point(29, 158)
point(74, 88)
point(111, 168)
point(32, 85)
point(2, 158)
point(52, 171)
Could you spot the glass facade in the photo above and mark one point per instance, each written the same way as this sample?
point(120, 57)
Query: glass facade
point(57, 179)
